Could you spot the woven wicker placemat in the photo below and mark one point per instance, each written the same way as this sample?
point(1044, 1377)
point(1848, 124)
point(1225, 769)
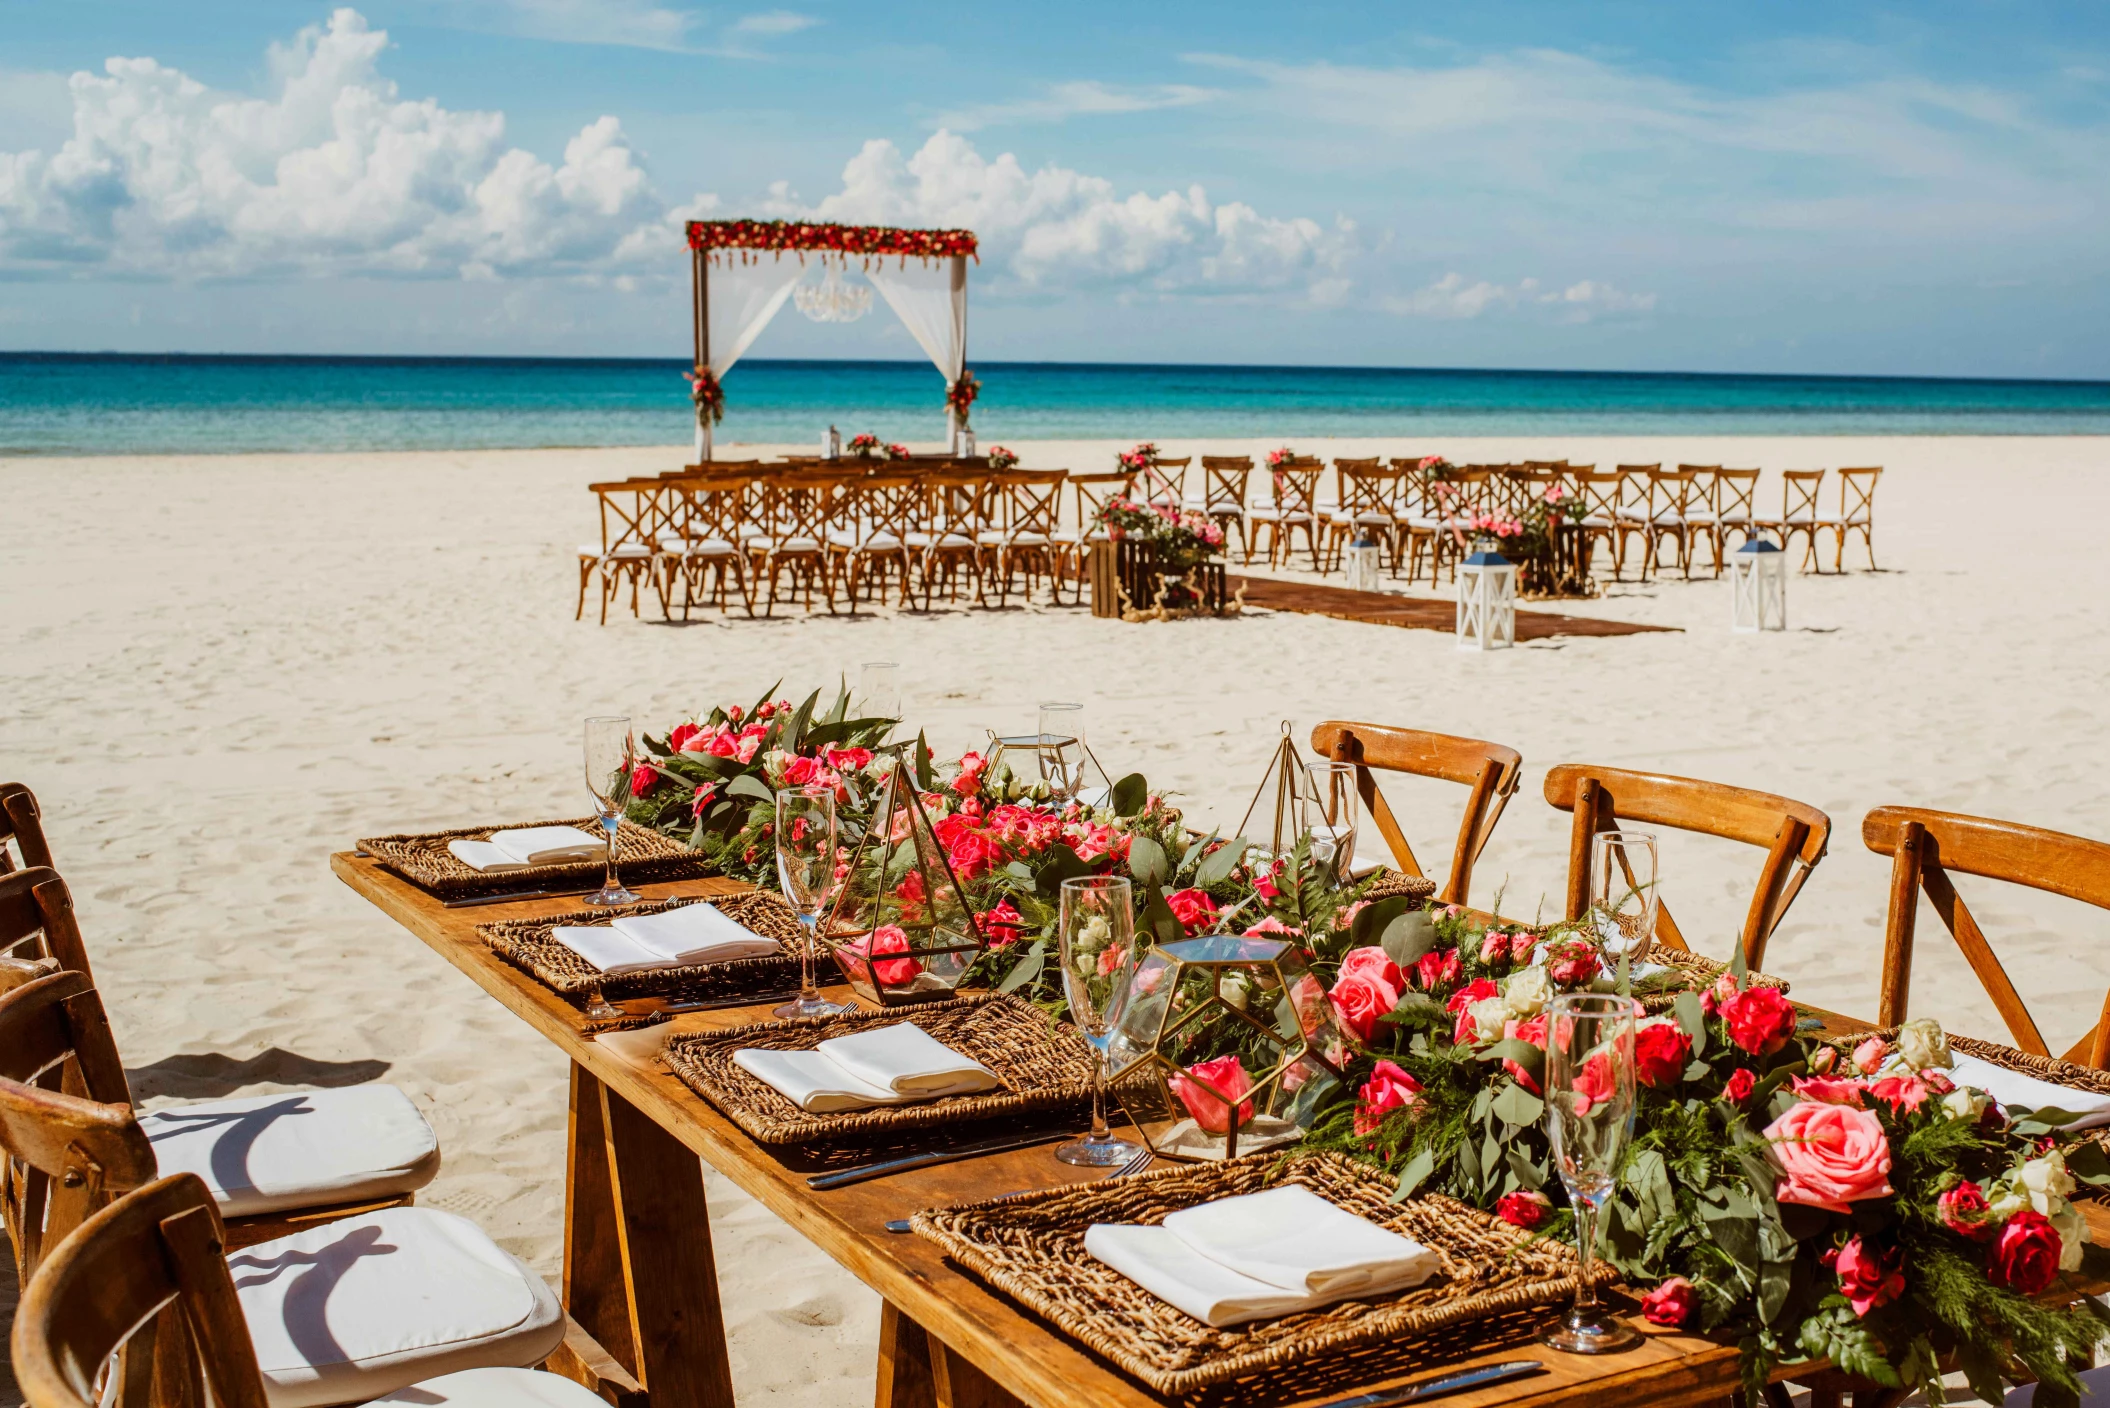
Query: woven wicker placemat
point(1700, 973)
point(528, 945)
point(1031, 1245)
point(643, 855)
point(2044, 1068)
point(1390, 884)
point(1041, 1068)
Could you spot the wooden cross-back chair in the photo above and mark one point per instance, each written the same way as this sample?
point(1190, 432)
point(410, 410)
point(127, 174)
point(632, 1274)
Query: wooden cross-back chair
point(1293, 505)
point(1924, 847)
point(1027, 508)
point(1366, 505)
point(1414, 522)
point(872, 540)
point(1857, 513)
point(956, 510)
point(1671, 508)
point(1799, 513)
point(799, 510)
point(1225, 482)
point(39, 931)
point(628, 550)
point(713, 518)
point(1595, 516)
point(22, 841)
point(1490, 770)
point(1793, 835)
point(1090, 494)
point(1735, 511)
point(1703, 512)
point(1164, 481)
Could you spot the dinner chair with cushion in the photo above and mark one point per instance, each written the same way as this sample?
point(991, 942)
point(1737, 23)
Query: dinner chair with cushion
point(871, 542)
point(1164, 481)
point(1792, 834)
point(1365, 507)
point(1091, 493)
point(1735, 492)
point(1703, 506)
point(1292, 507)
point(1634, 507)
point(627, 552)
point(955, 511)
point(1669, 514)
point(709, 544)
point(1924, 847)
point(1857, 513)
point(1490, 770)
point(141, 1306)
point(22, 843)
point(1595, 516)
point(1799, 513)
point(276, 1164)
point(1225, 481)
point(798, 511)
point(1028, 503)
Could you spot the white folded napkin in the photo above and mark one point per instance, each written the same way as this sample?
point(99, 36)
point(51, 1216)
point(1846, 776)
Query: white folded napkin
point(908, 1061)
point(674, 938)
point(895, 1065)
point(2014, 1088)
point(1293, 1238)
point(529, 845)
point(1175, 1273)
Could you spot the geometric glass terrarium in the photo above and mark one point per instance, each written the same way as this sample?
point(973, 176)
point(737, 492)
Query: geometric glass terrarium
point(900, 927)
point(1223, 1046)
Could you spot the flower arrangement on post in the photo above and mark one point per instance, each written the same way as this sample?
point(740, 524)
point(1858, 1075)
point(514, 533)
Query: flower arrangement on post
point(960, 396)
point(1001, 458)
point(708, 395)
point(897, 452)
point(864, 447)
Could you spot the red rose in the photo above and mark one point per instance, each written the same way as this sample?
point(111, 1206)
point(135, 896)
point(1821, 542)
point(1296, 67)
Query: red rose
point(1870, 1278)
point(1661, 1053)
point(1737, 1089)
point(1964, 1211)
point(1389, 1088)
point(1436, 968)
point(1760, 1020)
point(1368, 988)
point(1671, 1304)
point(1523, 1209)
point(887, 938)
point(801, 772)
point(1003, 925)
point(705, 795)
point(1193, 908)
point(842, 759)
point(1572, 963)
point(2025, 1257)
point(643, 777)
point(681, 735)
point(1532, 1030)
point(972, 853)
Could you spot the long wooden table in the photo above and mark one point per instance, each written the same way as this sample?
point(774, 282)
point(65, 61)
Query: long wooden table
point(641, 1282)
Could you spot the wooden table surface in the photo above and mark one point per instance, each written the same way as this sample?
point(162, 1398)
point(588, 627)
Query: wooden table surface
point(1020, 1356)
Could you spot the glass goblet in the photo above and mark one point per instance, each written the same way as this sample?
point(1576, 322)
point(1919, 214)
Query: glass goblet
point(1589, 1119)
point(1097, 927)
point(1061, 747)
point(1623, 890)
point(611, 755)
point(879, 689)
point(805, 836)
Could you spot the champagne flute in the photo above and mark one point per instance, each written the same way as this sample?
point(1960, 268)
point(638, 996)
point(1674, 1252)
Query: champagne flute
point(879, 689)
point(805, 835)
point(1061, 748)
point(1623, 890)
point(611, 754)
point(1333, 817)
point(1098, 933)
point(1589, 1118)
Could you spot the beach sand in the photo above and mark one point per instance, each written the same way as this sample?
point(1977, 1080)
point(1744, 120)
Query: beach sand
point(219, 670)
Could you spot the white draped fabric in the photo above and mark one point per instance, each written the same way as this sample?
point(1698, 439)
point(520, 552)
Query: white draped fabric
point(930, 297)
point(745, 290)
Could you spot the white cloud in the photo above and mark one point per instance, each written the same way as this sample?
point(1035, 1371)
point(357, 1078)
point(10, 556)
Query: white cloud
point(332, 173)
point(1086, 97)
point(1453, 296)
point(1056, 227)
point(773, 22)
point(631, 23)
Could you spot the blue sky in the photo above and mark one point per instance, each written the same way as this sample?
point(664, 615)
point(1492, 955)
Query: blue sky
point(1781, 187)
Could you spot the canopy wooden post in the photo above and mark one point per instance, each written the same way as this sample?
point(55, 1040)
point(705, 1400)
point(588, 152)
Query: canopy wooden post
point(700, 315)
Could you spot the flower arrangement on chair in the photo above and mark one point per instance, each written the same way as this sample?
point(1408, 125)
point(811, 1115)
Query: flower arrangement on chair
point(1280, 457)
point(1143, 457)
point(897, 452)
point(708, 395)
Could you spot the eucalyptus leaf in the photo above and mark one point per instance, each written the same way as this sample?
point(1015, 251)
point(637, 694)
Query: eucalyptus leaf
point(1409, 937)
point(1411, 1177)
point(1130, 795)
point(1520, 1108)
point(748, 785)
point(1692, 1020)
point(1058, 863)
point(926, 778)
point(1146, 861)
point(1531, 1058)
point(1158, 923)
point(1370, 921)
point(1026, 969)
point(1216, 867)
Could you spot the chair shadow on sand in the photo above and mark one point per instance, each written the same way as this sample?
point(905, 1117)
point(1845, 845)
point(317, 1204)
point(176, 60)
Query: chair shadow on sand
point(210, 1075)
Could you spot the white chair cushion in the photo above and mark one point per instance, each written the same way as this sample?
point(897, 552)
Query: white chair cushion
point(1028, 540)
point(630, 550)
point(498, 1388)
point(1594, 520)
point(365, 1306)
point(796, 545)
point(1634, 513)
point(712, 547)
point(270, 1153)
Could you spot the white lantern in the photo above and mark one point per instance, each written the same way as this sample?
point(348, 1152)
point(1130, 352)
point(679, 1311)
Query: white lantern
point(1359, 564)
point(1487, 601)
point(966, 443)
point(1758, 581)
point(832, 444)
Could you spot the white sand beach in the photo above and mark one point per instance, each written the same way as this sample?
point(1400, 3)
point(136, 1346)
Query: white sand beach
point(219, 670)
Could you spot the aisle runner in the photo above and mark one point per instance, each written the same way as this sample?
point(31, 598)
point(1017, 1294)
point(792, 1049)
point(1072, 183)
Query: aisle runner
point(1421, 613)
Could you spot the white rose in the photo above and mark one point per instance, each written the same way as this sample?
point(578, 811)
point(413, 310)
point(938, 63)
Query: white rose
point(1526, 992)
point(1922, 1044)
point(1964, 1103)
point(1488, 1015)
point(1237, 989)
point(2073, 1231)
point(2046, 1181)
point(2004, 1200)
point(1094, 935)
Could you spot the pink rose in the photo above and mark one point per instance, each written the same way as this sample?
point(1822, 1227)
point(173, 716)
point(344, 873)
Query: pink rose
point(1307, 998)
point(677, 741)
point(1437, 968)
point(701, 802)
point(1737, 1089)
point(848, 759)
point(1661, 1053)
point(1208, 1090)
point(1594, 1084)
point(1524, 1209)
point(801, 772)
point(969, 780)
point(1964, 1211)
point(1903, 1094)
point(1868, 1056)
point(1461, 1003)
point(1003, 925)
point(1494, 947)
point(1572, 963)
point(1671, 1304)
point(1822, 1062)
point(887, 938)
point(972, 854)
point(1829, 1092)
point(1368, 988)
point(1521, 947)
point(1389, 1088)
point(1533, 1030)
point(1760, 1020)
point(1829, 1155)
point(1271, 927)
point(1193, 908)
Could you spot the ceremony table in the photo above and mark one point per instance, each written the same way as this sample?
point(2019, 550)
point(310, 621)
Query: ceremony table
point(641, 1283)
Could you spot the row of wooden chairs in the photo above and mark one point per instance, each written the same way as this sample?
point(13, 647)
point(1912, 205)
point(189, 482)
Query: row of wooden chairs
point(108, 1236)
point(1925, 846)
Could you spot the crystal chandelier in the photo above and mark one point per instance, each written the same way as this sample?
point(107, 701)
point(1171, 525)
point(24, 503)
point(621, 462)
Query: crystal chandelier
point(832, 300)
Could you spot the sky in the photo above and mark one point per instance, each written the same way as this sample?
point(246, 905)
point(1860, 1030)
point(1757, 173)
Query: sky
point(1784, 187)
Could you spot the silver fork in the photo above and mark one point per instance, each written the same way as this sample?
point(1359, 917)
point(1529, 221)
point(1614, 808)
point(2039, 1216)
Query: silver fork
point(1137, 1164)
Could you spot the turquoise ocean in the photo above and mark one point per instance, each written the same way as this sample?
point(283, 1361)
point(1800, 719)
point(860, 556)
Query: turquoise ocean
point(71, 404)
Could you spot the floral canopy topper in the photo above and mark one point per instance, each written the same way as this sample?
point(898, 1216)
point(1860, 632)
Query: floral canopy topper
point(801, 236)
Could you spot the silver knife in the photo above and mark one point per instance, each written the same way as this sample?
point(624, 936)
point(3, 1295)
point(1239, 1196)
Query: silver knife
point(511, 895)
point(1437, 1387)
point(1002, 1145)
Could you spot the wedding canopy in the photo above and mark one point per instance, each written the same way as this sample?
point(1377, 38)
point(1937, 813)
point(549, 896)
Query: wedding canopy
point(743, 270)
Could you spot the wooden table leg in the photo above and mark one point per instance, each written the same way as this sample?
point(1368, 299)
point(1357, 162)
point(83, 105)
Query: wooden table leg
point(639, 1276)
point(918, 1371)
